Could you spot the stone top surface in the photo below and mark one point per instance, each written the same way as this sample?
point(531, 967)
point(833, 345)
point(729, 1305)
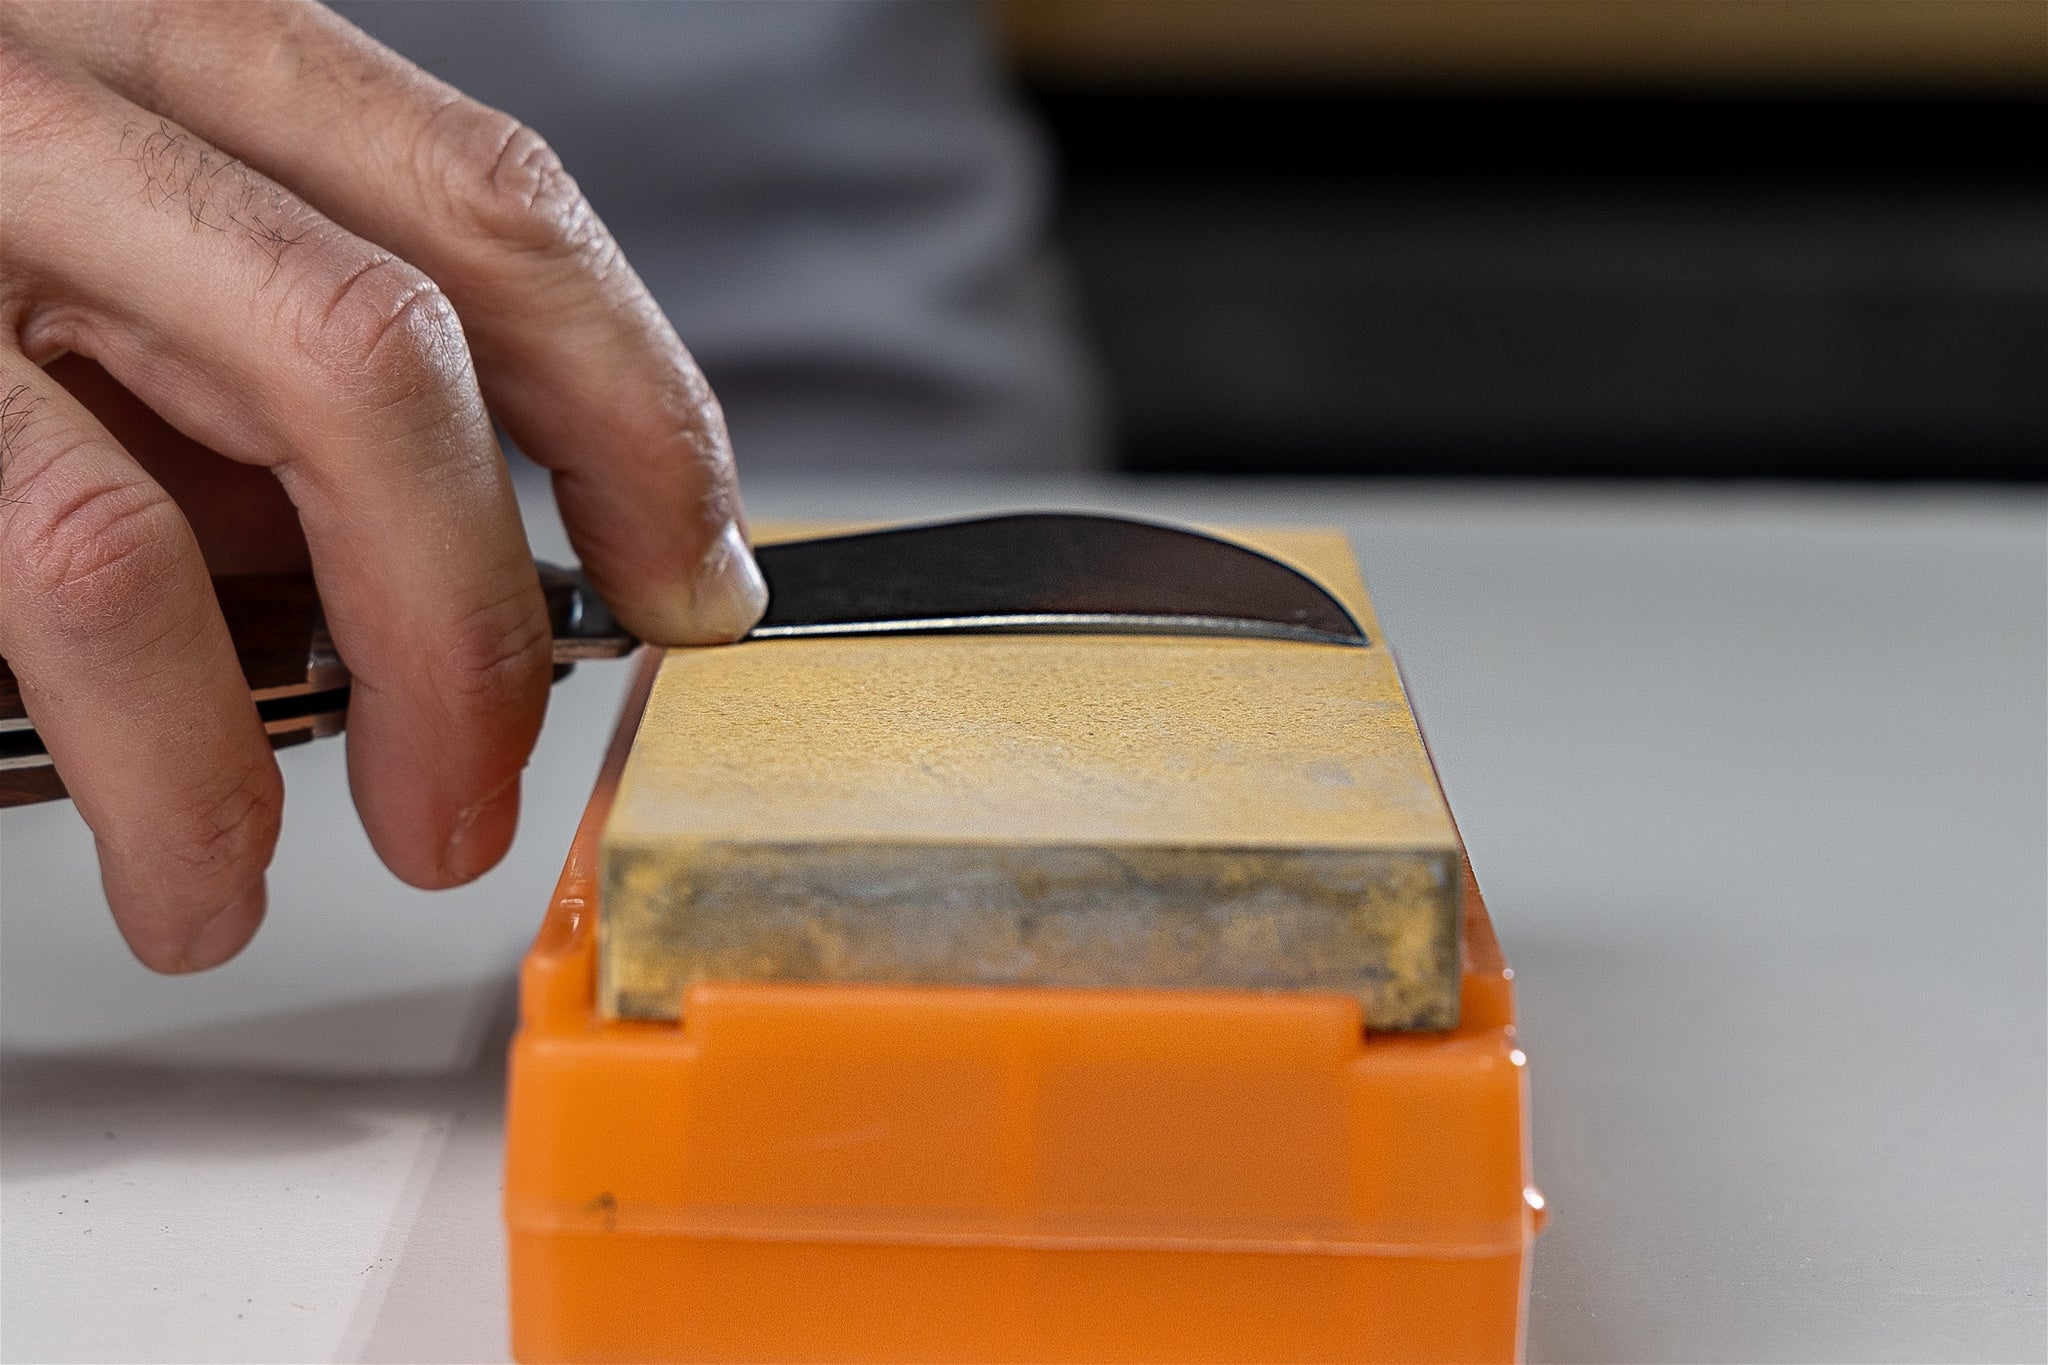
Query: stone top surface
point(1074, 740)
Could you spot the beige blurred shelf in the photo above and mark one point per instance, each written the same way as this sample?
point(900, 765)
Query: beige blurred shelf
point(1861, 44)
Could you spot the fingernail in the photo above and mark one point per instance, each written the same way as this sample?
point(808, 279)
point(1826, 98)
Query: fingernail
point(482, 834)
point(729, 593)
point(221, 937)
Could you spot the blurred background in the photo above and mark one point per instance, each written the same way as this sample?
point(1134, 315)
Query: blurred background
point(1415, 237)
point(1556, 237)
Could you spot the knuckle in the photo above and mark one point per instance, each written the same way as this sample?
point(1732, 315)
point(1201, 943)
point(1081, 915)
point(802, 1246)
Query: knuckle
point(498, 655)
point(505, 185)
point(230, 827)
point(377, 328)
point(92, 553)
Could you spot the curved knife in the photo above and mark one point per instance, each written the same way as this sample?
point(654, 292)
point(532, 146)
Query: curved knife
point(1046, 572)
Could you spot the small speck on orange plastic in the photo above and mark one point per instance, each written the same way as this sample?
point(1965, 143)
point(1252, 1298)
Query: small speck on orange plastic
point(813, 1173)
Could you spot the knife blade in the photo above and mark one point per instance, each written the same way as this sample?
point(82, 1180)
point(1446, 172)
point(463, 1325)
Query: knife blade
point(1041, 572)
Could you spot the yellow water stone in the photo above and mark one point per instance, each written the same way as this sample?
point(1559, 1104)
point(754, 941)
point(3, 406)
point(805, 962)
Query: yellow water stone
point(1065, 810)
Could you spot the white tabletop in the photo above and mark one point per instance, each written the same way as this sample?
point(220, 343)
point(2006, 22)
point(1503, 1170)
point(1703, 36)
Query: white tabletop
point(1753, 780)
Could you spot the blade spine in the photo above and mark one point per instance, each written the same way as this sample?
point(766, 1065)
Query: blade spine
point(814, 543)
point(1096, 623)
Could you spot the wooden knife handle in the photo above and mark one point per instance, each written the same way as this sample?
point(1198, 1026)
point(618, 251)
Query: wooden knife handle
point(295, 676)
point(274, 622)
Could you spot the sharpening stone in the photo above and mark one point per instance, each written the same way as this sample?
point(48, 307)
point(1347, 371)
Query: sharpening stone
point(1050, 810)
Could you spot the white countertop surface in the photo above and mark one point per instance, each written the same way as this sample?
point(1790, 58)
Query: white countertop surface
point(1754, 779)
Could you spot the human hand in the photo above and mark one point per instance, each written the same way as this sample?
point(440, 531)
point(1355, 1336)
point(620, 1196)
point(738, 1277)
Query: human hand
point(314, 273)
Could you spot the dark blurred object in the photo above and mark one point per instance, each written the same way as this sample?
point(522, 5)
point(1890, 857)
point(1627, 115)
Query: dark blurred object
point(1804, 240)
point(1587, 44)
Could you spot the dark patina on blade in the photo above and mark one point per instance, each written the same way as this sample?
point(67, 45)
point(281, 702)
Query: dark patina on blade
point(1042, 571)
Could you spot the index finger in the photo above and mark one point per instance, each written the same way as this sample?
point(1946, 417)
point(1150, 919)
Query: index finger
point(572, 354)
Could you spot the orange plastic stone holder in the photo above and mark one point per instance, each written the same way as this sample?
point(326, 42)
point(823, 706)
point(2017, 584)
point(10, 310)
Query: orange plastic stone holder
point(826, 1172)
